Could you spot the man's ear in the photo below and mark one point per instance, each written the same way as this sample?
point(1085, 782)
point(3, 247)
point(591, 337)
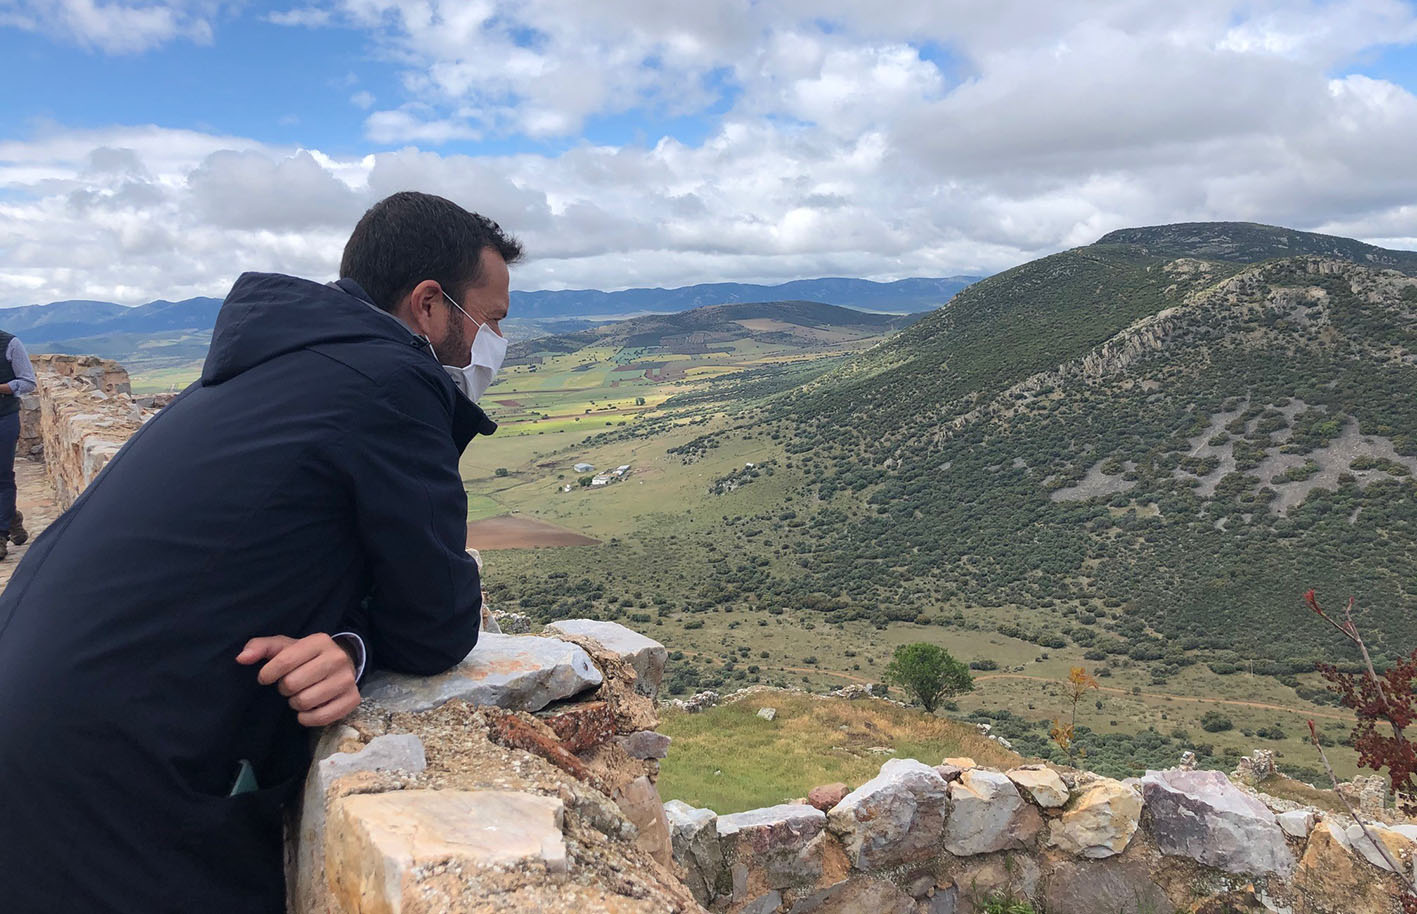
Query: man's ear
point(425, 308)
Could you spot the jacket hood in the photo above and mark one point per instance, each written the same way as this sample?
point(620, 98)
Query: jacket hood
point(268, 315)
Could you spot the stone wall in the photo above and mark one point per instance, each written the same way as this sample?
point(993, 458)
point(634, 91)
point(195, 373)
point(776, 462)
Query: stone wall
point(945, 839)
point(521, 780)
point(78, 418)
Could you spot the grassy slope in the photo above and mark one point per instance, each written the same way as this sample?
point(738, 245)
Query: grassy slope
point(728, 759)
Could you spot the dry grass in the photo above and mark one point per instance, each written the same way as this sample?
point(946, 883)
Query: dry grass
point(1286, 788)
point(728, 759)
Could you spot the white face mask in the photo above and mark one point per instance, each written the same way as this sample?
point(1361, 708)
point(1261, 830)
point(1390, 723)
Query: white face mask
point(488, 350)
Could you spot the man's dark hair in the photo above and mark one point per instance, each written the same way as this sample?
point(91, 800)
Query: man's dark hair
point(408, 237)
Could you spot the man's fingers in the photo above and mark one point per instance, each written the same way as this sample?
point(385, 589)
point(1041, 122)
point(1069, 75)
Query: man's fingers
point(324, 691)
point(291, 656)
point(329, 713)
point(319, 668)
point(258, 649)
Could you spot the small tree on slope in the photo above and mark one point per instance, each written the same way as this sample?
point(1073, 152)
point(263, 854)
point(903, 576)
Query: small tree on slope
point(928, 673)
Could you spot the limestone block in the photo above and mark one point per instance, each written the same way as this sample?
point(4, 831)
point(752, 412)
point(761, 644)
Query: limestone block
point(961, 762)
point(516, 672)
point(1099, 821)
point(1399, 846)
point(377, 843)
point(987, 814)
point(1042, 783)
point(646, 655)
point(1296, 823)
point(393, 752)
point(645, 744)
point(640, 802)
point(396, 752)
point(896, 817)
point(1201, 815)
point(694, 835)
point(781, 844)
point(767, 713)
point(1114, 886)
point(857, 896)
point(1332, 880)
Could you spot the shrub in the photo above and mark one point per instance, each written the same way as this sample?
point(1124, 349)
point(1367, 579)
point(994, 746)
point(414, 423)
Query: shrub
point(1215, 722)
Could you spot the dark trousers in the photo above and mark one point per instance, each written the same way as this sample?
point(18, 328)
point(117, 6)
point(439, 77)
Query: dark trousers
point(9, 435)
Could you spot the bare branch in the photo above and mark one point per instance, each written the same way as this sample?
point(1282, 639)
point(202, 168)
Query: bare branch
point(1380, 846)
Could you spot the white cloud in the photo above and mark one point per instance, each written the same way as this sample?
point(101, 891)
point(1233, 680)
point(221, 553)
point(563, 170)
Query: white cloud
point(913, 138)
point(114, 27)
point(303, 16)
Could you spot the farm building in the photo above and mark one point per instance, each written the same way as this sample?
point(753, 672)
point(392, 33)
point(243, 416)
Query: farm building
point(584, 467)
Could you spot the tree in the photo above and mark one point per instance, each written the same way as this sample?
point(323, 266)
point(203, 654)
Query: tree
point(500, 471)
point(1079, 681)
point(928, 673)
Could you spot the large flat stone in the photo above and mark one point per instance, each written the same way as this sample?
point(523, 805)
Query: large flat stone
point(1099, 821)
point(377, 843)
point(896, 817)
point(1201, 815)
point(987, 814)
point(781, 843)
point(694, 834)
point(517, 672)
point(645, 655)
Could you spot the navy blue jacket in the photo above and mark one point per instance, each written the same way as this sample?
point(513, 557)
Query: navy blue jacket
point(312, 471)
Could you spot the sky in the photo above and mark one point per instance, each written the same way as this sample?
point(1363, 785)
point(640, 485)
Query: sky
point(158, 149)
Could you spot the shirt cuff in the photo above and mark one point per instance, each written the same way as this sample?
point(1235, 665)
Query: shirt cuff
point(20, 387)
point(355, 645)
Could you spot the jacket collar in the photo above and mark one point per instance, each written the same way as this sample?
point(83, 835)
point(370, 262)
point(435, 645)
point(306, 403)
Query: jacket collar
point(469, 419)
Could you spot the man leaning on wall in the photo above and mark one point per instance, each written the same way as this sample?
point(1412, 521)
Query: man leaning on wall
point(16, 380)
point(219, 586)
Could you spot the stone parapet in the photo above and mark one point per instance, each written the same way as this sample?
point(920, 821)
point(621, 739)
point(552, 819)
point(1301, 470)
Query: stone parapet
point(1068, 842)
point(80, 416)
point(504, 784)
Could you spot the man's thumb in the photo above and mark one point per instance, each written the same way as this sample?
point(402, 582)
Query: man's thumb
point(259, 649)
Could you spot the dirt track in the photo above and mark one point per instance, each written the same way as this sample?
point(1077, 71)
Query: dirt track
point(1302, 712)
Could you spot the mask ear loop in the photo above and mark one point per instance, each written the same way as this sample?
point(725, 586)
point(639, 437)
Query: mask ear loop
point(459, 307)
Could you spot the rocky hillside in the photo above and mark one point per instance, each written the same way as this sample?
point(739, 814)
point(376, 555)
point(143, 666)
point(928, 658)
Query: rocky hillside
point(1162, 438)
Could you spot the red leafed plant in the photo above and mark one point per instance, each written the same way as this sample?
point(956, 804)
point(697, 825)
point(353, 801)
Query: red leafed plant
point(1382, 704)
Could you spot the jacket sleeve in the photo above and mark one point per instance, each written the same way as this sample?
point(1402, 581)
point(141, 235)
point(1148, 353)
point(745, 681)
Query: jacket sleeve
point(425, 607)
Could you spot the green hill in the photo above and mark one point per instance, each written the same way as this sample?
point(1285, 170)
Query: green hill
point(1162, 450)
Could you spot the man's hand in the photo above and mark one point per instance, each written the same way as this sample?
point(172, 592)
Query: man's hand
point(315, 673)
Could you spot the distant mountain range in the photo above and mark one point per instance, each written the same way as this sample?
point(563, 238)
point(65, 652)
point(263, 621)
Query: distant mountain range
point(82, 320)
point(902, 296)
point(797, 325)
